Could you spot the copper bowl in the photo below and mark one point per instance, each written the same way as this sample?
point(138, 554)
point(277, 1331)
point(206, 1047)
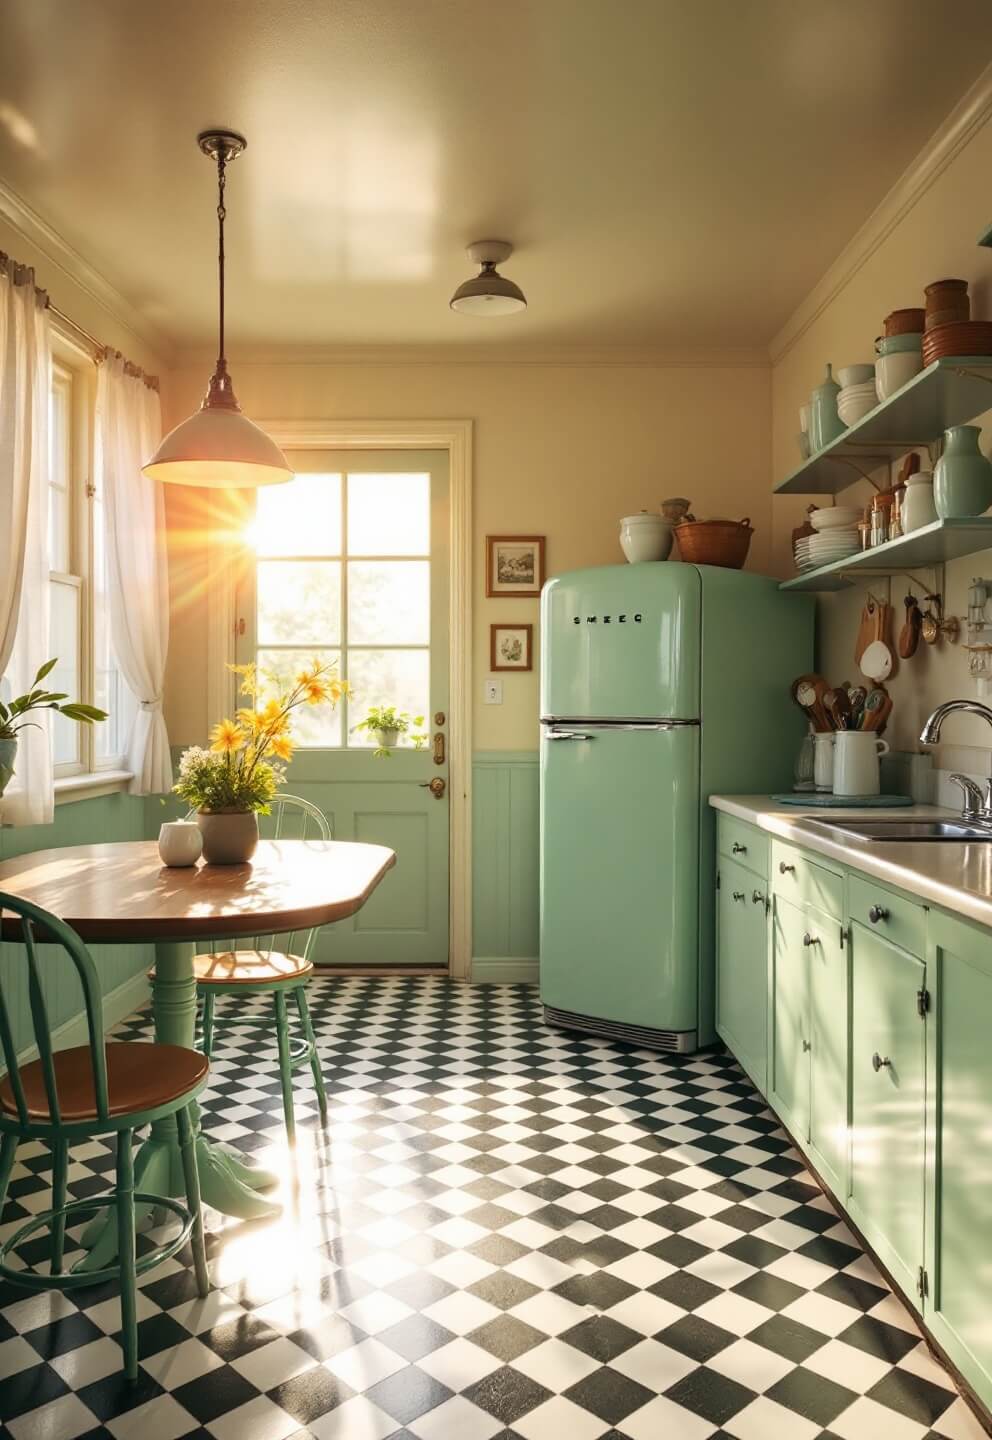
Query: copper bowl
point(905, 322)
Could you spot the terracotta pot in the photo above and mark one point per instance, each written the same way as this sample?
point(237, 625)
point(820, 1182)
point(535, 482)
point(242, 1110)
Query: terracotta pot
point(947, 302)
point(230, 837)
point(905, 322)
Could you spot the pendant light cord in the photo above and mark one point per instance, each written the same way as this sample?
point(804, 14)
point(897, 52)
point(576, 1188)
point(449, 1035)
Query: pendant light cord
point(221, 217)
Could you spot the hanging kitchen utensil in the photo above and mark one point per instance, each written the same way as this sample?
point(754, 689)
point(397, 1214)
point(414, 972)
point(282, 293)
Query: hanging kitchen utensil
point(876, 662)
point(866, 630)
point(909, 635)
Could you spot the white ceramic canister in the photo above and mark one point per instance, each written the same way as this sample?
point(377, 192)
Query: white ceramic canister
point(180, 842)
point(645, 537)
point(856, 755)
point(823, 762)
point(918, 508)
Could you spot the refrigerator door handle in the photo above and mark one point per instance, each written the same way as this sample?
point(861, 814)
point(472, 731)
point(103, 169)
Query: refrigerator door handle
point(568, 735)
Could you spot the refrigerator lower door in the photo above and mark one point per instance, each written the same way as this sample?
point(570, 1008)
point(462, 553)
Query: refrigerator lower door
point(619, 881)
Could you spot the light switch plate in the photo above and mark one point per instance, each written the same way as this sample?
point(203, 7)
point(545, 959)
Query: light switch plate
point(493, 692)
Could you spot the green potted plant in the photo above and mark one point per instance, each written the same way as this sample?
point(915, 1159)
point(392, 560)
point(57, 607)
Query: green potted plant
point(13, 713)
point(236, 780)
point(387, 724)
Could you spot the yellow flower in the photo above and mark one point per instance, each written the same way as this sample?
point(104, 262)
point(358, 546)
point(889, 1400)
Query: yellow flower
point(315, 690)
point(282, 746)
point(249, 680)
point(227, 736)
point(271, 715)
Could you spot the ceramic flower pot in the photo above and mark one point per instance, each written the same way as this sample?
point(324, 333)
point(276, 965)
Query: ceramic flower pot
point(230, 837)
point(8, 757)
point(387, 739)
point(962, 477)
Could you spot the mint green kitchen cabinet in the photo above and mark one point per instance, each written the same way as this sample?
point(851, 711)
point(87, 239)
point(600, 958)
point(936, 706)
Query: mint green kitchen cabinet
point(958, 1303)
point(888, 1092)
point(790, 1037)
point(827, 974)
point(742, 967)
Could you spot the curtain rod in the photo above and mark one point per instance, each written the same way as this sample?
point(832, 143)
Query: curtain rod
point(100, 351)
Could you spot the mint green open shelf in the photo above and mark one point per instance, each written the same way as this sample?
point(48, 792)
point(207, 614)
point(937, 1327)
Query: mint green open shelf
point(932, 545)
point(949, 392)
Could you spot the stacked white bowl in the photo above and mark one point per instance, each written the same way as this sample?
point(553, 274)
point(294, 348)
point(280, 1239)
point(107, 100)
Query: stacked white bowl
point(836, 537)
point(857, 393)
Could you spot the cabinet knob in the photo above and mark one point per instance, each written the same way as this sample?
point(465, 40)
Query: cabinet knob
point(809, 940)
point(737, 849)
point(877, 1061)
point(739, 895)
point(757, 898)
point(784, 869)
point(876, 913)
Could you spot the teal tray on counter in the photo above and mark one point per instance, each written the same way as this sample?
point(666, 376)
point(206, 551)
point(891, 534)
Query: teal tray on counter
point(809, 799)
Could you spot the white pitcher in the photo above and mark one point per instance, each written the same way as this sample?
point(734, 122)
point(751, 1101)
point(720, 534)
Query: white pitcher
point(856, 755)
point(179, 842)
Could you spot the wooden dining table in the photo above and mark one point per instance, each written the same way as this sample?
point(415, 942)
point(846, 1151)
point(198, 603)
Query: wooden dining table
point(121, 893)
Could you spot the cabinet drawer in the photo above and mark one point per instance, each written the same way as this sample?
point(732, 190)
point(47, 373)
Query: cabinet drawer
point(882, 911)
point(743, 843)
point(797, 878)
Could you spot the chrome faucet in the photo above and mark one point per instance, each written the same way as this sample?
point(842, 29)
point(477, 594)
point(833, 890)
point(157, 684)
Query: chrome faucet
point(975, 806)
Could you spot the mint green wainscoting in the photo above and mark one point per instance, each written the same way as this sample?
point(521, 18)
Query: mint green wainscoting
point(121, 967)
point(505, 864)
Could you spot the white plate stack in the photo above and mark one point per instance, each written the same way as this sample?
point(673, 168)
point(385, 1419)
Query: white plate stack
point(837, 538)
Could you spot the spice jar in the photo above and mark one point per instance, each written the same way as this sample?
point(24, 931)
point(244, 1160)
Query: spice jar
point(881, 508)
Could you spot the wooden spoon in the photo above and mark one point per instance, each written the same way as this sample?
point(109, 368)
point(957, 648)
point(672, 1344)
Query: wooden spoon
point(909, 635)
point(810, 691)
point(838, 708)
point(877, 719)
point(874, 704)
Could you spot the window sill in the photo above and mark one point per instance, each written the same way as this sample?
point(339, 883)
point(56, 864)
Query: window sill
point(69, 788)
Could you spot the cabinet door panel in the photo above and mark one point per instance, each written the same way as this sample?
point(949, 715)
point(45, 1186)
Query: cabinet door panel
point(829, 1055)
point(959, 1198)
point(742, 968)
point(888, 1051)
point(790, 1017)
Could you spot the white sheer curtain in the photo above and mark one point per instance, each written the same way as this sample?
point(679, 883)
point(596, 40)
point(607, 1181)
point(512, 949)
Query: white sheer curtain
point(25, 380)
point(128, 430)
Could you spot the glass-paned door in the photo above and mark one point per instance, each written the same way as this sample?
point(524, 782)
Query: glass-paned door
point(350, 565)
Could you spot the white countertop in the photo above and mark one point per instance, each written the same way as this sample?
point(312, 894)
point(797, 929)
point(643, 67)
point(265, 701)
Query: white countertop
point(956, 876)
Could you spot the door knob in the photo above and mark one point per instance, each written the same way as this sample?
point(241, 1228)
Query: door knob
point(435, 786)
point(876, 913)
point(877, 1061)
point(757, 898)
point(736, 849)
point(739, 895)
point(784, 869)
point(809, 940)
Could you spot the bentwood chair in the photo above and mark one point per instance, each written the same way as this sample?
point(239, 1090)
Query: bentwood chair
point(262, 969)
point(78, 1094)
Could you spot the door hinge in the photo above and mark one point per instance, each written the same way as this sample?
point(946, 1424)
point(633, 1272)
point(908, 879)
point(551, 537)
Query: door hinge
point(922, 1283)
point(922, 1003)
point(844, 936)
point(718, 879)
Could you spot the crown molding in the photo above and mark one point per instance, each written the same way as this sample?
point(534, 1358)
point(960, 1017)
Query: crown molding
point(948, 140)
point(37, 232)
point(198, 357)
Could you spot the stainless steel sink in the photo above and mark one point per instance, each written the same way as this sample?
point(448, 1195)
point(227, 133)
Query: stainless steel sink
point(886, 830)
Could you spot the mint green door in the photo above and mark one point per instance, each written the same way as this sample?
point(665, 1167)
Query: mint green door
point(742, 968)
point(888, 1054)
point(828, 1034)
point(790, 1040)
point(350, 563)
point(625, 810)
point(959, 1190)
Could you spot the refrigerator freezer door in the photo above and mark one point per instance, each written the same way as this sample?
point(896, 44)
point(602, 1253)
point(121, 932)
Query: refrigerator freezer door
point(619, 877)
point(621, 640)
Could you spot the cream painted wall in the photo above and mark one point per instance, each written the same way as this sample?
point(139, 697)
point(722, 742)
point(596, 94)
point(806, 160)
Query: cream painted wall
point(935, 239)
point(560, 450)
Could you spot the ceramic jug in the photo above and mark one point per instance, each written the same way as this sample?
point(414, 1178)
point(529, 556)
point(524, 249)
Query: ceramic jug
point(856, 755)
point(962, 477)
point(823, 762)
point(918, 508)
point(824, 422)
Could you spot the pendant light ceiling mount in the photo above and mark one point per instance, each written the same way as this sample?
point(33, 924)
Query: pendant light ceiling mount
point(489, 292)
point(219, 447)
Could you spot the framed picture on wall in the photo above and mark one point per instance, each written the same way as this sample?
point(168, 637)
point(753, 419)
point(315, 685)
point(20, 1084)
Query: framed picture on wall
point(514, 565)
point(511, 647)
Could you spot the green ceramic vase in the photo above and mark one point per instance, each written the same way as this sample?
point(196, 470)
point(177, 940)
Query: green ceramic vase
point(824, 422)
point(962, 477)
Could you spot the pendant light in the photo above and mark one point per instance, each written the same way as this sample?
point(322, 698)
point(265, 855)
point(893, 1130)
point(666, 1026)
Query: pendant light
point(219, 447)
point(489, 292)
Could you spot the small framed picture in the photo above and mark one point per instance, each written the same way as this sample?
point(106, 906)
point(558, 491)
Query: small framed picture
point(511, 647)
point(514, 565)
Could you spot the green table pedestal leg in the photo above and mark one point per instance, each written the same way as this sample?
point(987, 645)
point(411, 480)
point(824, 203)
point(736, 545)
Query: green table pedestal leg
point(228, 1181)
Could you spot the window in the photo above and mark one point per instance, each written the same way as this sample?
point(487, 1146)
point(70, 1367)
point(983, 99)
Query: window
point(79, 630)
point(344, 573)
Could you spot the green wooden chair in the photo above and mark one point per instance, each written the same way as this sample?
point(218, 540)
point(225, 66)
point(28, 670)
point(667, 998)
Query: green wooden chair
point(90, 1090)
point(262, 969)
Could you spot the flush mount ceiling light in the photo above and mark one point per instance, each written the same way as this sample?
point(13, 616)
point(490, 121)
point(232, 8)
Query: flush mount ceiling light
point(489, 293)
point(219, 447)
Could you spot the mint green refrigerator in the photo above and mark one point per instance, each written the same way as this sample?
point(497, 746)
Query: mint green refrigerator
point(661, 684)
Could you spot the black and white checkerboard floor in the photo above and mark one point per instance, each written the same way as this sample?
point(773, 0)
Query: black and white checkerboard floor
point(506, 1231)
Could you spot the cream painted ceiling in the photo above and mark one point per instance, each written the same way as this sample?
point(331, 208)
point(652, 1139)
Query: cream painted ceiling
point(672, 172)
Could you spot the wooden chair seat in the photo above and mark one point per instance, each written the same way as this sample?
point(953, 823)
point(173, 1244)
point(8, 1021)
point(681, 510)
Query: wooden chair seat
point(140, 1077)
point(249, 967)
